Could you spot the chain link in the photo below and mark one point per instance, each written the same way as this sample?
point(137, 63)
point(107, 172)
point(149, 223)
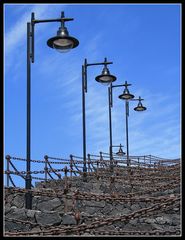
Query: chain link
point(132, 177)
point(77, 195)
point(168, 204)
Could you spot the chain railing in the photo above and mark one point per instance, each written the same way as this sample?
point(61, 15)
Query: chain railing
point(92, 227)
point(147, 163)
point(146, 176)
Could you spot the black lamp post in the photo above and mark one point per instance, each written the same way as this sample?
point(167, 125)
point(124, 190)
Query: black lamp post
point(62, 43)
point(105, 78)
point(110, 96)
point(129, 97)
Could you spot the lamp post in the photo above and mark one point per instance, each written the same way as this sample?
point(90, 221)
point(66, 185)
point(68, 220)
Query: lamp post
point(110, 114)
point(63, 42)
point(105, 78)
point(129, 97)
point(110, 97)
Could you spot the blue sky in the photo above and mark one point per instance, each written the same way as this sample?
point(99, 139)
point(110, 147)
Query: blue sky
point(142, 41)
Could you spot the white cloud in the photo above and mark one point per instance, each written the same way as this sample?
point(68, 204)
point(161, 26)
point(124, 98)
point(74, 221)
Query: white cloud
point(16, 36)
point(145, 138)
point(92, 48)
point(17, 33)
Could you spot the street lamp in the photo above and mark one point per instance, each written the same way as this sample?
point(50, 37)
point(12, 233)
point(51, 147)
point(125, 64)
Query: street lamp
point(62, 43)
point(105, 78)
point(120, 152)
point(129, 97)
point(140, 107)
point(110, 97)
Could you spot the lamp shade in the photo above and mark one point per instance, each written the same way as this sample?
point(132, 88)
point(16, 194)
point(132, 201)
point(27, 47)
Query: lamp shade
point(62, 42)
point(120, 153)
point(140, 107)
point(126, 94)
point(105, 78)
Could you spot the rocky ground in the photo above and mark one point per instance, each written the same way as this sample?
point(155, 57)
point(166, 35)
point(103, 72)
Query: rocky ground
point(140, 201)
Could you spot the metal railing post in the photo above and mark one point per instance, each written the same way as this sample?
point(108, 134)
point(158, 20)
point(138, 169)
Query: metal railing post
point(97, 164)
point(71, 165)
point(65, 189)
point(101, 160)
point(89, 160)
point(8, 169)
point(65, 171)
point(46, 167)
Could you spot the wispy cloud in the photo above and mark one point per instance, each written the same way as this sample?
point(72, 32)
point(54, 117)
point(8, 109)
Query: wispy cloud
point(92, 48)
point(157, 137)
point(15, 36)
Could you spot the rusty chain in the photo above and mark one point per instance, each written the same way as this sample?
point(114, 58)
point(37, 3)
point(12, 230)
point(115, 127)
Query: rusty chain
point(91, 196)
point(67, 161)
point(41, 171)
point(101, 222)
point(123, 232)
point(161, 203)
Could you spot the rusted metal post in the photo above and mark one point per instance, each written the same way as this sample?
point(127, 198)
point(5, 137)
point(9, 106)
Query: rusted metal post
point(65, 180)
point(71, 165)
point(65, 171)
point(8, 169)
point(101, 159)
point(89, 160)
point(46, 167)
point(97, 165)
point(150, 162)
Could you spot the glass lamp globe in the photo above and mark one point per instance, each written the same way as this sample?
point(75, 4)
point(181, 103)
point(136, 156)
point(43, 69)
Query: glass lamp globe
point(105, 78)
point(140, 107)
point(63, 45)
point(63, 42)
point(126, 95)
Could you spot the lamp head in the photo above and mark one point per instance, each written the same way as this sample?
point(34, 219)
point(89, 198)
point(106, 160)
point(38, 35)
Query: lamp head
point(120, 153)
point(126, 94)
point(63, 42)
point(140, 106)
point(105, 78)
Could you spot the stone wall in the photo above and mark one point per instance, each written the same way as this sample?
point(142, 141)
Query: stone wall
point(66, 211)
